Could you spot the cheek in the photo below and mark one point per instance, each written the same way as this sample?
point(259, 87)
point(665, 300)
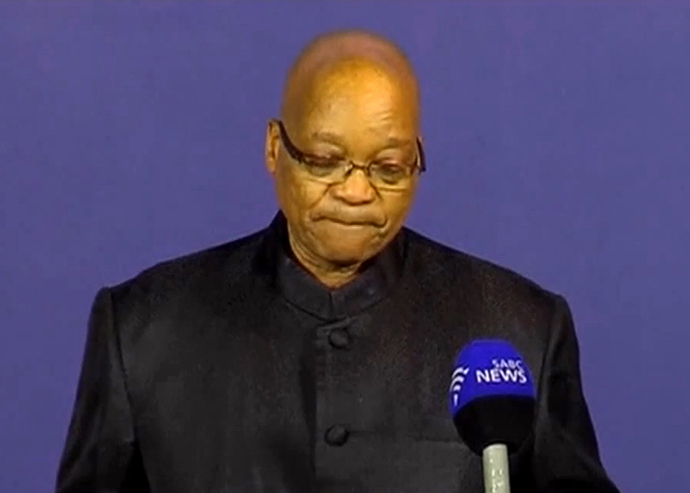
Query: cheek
point(297, 196)
point(306, 195)
point(397, 206)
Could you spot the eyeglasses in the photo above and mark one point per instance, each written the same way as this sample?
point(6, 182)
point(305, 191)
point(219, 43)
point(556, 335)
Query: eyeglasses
point(331, 171)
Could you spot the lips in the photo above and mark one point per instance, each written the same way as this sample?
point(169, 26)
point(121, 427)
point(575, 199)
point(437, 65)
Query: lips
point(352, 220)
point(351, 223)
point(355, 222)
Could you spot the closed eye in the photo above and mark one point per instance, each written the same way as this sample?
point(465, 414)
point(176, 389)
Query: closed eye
point(322, 161)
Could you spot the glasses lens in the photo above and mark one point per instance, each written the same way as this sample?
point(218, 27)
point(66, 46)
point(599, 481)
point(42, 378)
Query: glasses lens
point(390, 174)
point(325, 169)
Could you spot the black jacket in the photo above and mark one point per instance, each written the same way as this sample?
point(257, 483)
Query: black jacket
point(232, 370)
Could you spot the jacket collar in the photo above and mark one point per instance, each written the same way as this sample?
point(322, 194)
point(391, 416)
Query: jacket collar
point(301, 289)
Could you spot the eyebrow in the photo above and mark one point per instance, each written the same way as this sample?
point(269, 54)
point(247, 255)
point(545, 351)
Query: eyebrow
point(396, 142)
point(329, 137)
point(336, 139)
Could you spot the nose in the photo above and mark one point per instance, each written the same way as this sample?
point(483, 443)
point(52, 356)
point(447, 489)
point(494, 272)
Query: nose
point(356, 189)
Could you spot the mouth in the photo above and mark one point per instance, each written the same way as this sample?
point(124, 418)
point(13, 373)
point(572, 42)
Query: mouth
point(352, 224)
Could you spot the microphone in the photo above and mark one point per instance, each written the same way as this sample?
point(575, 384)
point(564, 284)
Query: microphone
point(491, 401)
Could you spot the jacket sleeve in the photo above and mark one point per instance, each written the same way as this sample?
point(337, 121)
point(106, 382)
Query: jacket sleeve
point(100, 453)
point(566, 454)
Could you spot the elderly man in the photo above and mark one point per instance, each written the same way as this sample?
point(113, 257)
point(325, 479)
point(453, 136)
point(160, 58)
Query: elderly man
point(314, 355)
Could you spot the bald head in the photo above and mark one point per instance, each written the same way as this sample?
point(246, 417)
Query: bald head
point(354, 55)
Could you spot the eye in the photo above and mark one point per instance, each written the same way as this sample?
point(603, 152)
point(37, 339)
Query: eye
point(322, 166)
point(389, 172)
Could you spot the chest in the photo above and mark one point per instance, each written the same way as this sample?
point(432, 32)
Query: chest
point(276, 400)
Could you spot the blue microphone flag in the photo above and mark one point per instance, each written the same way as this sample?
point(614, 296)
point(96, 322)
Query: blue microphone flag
point(488, 368)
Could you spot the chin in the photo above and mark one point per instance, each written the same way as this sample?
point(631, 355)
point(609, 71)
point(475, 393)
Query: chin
point(348, 245)
point(343, 254)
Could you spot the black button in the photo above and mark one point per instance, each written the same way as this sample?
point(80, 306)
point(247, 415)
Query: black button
point(339, 338)
point(337, 435)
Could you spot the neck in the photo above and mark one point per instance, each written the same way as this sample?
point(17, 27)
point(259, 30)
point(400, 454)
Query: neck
point(329, 275)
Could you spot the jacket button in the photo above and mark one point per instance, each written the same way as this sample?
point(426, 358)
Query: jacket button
point(339, 338)
point(337, 435)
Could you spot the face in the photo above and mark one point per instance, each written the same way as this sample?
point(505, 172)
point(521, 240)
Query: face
point(357, 114)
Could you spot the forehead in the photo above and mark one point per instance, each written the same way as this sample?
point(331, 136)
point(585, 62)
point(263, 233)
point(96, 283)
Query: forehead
point(360, 96)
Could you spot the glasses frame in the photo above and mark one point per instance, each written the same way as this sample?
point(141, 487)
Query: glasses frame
point(303, 158)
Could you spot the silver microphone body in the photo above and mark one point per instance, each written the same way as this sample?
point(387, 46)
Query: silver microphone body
point(496, 469)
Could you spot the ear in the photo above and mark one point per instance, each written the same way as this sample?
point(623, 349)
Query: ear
point(272, 146)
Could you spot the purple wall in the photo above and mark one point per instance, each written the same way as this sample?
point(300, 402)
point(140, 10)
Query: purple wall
point(557, 139)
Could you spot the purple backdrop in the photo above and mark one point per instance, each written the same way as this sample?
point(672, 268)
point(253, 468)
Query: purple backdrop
point(557, 139)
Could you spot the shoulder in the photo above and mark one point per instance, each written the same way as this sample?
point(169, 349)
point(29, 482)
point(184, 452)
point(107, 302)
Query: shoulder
point(221, 267)
point(441, 267)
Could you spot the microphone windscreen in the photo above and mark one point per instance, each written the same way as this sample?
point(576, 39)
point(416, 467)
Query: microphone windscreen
point(491, 395)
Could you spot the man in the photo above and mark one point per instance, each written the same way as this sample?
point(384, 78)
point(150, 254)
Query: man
point(314, 355)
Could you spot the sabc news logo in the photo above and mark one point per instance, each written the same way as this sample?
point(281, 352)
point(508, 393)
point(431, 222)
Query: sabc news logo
point(498, 371)
point(456, 381)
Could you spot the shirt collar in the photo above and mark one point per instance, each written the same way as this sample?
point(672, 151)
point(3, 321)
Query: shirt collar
point(301, 289)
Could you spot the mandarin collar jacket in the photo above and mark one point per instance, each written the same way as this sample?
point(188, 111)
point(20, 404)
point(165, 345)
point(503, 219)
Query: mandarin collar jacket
point(232, 370)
